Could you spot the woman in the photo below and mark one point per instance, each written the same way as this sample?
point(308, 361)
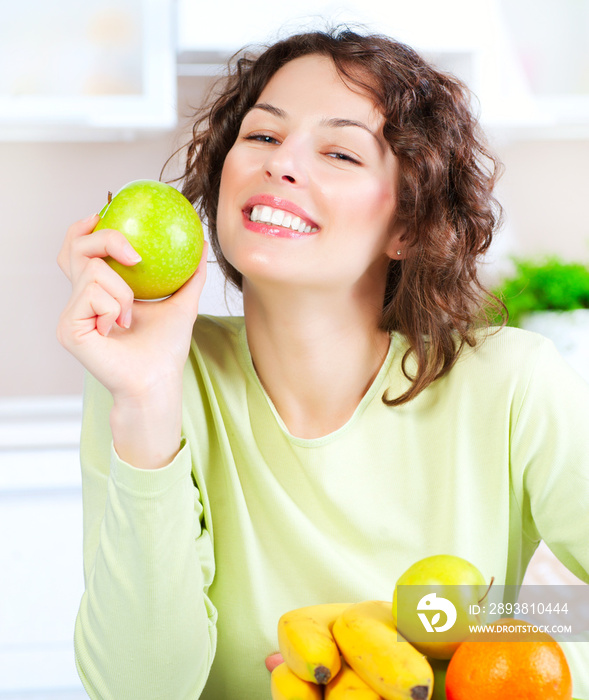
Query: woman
point(360, 416)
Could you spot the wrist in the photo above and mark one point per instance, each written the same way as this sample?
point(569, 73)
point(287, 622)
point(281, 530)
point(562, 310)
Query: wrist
point(147, 430)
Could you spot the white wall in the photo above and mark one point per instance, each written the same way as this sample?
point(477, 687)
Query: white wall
point(544, 191)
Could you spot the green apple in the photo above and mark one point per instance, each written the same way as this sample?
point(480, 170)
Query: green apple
point(436, 601)
point(163, 227)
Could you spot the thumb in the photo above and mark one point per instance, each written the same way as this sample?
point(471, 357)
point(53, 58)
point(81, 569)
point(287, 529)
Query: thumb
point(79, 228)
point(84, 226)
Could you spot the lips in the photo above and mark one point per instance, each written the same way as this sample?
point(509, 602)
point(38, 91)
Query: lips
point(275, 212)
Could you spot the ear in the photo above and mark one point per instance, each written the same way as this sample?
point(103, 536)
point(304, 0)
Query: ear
point(396, 247)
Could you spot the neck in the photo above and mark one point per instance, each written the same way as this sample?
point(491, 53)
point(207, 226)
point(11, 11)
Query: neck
point(315, 355)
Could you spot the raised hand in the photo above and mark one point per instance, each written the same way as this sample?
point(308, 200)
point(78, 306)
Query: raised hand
point(137, 350)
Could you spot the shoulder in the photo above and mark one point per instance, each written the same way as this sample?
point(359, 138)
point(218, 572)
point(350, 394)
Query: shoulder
point(522, 364)
point(227, 327)
point(500, 367)
point(212, 334)
point(508, 349)
point(219, 348)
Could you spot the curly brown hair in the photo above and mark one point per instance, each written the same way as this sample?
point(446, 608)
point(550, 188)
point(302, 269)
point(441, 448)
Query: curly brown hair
point(434, 296)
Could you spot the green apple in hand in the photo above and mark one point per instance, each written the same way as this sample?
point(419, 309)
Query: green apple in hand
point(163, 227)
point(436, 601)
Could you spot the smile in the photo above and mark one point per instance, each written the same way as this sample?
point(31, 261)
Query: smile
point(279, 217)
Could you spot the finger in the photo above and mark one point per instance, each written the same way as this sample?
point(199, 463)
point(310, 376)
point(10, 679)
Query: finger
point(98, 272)
point(273, 660)
point(105, 308)
point(102, 244)
point(80, 228)
point(94, 310)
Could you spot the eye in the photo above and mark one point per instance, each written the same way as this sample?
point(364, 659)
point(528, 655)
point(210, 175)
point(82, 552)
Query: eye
point(337, 155)
point(262, 138)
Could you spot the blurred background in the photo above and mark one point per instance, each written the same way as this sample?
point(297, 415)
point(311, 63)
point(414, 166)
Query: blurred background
point(96, 94)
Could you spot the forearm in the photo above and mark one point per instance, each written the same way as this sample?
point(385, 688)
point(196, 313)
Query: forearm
point(145, 627)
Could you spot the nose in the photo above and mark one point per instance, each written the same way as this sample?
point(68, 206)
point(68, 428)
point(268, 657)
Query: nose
point(285, 164)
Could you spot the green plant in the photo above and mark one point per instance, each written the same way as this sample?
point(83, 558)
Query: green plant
point(544, 285)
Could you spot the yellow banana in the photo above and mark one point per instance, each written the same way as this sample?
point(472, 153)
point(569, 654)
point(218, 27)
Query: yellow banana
point(286, 685)
point(348, 685)
point(368, 640)
point(306, 643)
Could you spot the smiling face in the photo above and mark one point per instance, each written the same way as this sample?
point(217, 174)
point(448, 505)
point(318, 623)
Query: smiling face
point(309, 189)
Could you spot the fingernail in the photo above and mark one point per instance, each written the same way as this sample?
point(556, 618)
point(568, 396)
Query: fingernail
point(126, 320)
point(107, 331)
point(88, 219)
point(131, 254)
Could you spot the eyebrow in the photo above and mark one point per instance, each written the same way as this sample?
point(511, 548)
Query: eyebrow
point(334, 122)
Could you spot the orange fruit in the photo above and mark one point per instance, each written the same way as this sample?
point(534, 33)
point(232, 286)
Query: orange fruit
point(501, 666)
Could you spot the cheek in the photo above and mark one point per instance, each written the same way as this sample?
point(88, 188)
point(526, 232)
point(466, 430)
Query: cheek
point(237, 176)
point(381, 192)
point(228, 187)
point(234, 180)
point(384, 197)
point(227, 178)
point(374, 203)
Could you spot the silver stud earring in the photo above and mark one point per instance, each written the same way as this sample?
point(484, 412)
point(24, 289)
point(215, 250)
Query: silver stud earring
point(399, 252)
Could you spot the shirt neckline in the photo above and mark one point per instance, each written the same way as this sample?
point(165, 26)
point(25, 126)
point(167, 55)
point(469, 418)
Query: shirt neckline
point(374, 388)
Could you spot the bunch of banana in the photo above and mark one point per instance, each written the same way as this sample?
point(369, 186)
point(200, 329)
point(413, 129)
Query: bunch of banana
point(286, 684)
point(370, 643)
point(348, 685)
point(377, 663)
point(307, 644)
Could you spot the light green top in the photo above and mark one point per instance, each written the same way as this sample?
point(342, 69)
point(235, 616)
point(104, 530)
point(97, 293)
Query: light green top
point(192, 564)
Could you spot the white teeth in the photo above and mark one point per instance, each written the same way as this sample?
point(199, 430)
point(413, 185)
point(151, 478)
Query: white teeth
point(278, 217)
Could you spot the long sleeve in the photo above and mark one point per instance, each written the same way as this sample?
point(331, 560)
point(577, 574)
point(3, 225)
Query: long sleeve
point(145, 628)
point(484, 464)
point(550, 461)
point(550, 468)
